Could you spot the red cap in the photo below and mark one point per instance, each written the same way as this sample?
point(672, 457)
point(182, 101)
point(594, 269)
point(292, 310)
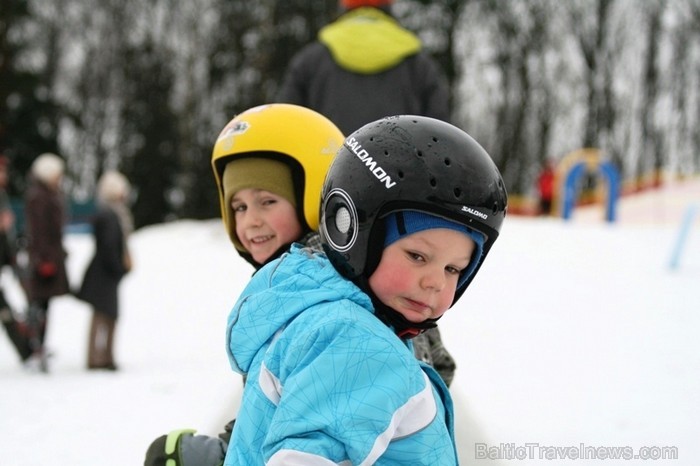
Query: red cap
point(349, 4)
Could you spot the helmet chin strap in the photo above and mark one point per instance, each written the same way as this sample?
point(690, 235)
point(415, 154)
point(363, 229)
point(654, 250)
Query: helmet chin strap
point(402, 327)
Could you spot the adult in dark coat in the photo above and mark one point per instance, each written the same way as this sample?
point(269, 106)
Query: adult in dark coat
point(111, 225)
point(363, 67)
point(45, 218)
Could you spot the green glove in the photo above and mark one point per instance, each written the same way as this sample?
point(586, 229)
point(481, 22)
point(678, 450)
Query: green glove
point(183, 448)
point(166, 450)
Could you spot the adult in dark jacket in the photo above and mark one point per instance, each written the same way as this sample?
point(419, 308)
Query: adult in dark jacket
point(365, 66)
point(111, 261)
point(45, 219)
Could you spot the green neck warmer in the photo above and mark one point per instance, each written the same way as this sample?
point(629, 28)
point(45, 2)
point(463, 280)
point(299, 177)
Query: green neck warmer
point(368, 41)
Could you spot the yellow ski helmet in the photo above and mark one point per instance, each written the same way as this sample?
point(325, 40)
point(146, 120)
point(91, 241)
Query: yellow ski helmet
point(303, 139)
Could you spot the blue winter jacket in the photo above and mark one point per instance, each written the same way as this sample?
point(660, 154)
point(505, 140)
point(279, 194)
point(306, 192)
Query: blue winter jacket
point(327, 382)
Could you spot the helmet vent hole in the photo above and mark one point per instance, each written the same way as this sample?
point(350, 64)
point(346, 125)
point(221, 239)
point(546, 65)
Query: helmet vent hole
point(401, 174)
point(458, 192)
point(433, 182)
point(419, 153)
point(435, 139)
point(448, 162)
point(343, 220)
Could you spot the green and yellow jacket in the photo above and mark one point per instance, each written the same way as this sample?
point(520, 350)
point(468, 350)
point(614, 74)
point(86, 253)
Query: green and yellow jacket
point(363, 67)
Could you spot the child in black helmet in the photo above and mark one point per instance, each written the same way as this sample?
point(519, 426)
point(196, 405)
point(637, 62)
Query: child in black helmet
point(410, 209)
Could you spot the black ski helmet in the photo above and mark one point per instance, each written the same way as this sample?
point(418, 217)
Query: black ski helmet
point(406, 163)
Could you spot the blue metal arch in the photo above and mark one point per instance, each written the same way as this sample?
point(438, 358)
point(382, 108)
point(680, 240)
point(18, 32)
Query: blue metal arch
point(608, 171)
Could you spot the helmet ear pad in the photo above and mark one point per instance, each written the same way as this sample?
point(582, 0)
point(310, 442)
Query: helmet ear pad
point(375, 248)
point(340, 225)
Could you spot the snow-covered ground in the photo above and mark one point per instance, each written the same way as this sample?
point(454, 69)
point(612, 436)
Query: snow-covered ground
point(576, 339)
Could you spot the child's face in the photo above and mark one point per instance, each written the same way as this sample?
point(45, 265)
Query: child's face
point(264, 222)
point(417, 275)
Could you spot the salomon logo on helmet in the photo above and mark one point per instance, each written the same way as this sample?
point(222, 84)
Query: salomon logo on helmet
point(475, 212)
point(356, 148)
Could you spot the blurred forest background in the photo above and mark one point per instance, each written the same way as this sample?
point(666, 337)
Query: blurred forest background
point(145, 86)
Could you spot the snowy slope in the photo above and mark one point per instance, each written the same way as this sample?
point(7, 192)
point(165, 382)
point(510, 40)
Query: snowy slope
point(575, 336)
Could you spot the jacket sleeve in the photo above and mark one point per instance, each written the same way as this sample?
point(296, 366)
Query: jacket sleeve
point(291, 91)
point(44, 219)
point(110, 242)
point(434, 89)
point(441, 359)
point(295, 85)
point(348, 391)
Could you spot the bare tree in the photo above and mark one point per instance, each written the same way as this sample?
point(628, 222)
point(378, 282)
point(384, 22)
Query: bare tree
point(531, 80)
